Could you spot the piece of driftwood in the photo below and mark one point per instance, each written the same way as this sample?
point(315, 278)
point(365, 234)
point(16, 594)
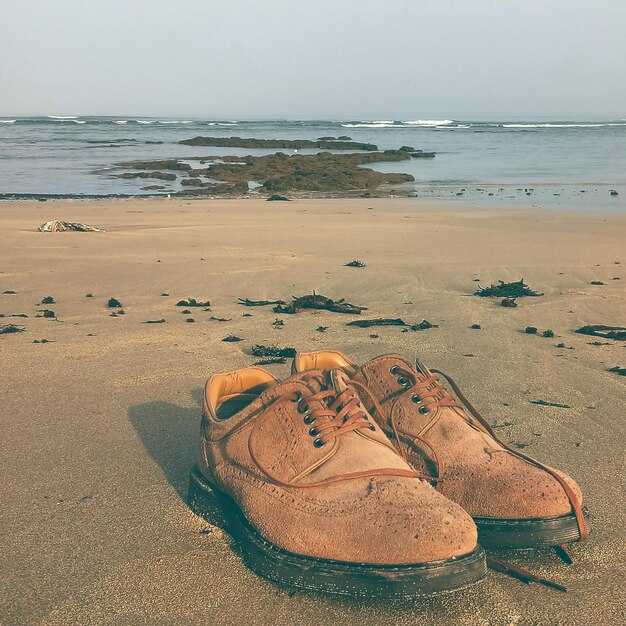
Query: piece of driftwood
point(618, 333)
point(247, 302)
point(516, 289)
point(386, 321)
point(316, 301)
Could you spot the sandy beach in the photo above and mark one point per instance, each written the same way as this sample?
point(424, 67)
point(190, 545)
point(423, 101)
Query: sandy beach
point(100, 424)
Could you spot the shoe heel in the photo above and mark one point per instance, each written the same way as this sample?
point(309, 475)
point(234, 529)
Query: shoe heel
point(205, 501)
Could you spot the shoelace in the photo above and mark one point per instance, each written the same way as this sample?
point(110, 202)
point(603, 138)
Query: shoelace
point(438, 396)
point(342, 413)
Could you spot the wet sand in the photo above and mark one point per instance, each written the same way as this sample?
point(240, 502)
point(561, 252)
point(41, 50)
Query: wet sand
point(99, 425)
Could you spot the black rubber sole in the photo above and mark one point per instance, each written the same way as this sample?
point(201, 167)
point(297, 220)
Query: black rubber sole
point(295, 571)
point(528, 533)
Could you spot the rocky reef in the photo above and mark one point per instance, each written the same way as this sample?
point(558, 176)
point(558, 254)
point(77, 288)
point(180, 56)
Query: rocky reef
point(324, 143)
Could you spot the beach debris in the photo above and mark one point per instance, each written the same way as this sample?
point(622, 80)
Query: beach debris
point(277, 198)
point(521, 574)
point(190, 320)
point(165, 294)
point(6, 329)
point(563, 346)
point(531, 330)
point(380, 321)
point(59, 226)
point(272, 351)
point(9, 292)
point(508, 302)
point(373, 336)
point(597, 282)
point(278, 323)
point(220, 319)
point(271, 361)
point(618, 333)
point(88, 295)
point(316, 301)
point(185, 312)
point(521, 446)
point(48, 300)
point(46, 313)
point(546, 403)
point(614, 192)
point(620, 371)
point(321, 329)
point(190, 302)
point(247, 302)
point(43, 341)
point(386, 321)
point(161, 321)
point(355, 263)
point(516, 289)
point(232, 338)
point(475, 326)
point(548, 333)
point(13, 315)
point(114, 303)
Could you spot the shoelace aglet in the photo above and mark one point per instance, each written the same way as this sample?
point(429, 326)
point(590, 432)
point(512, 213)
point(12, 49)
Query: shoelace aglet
point(522, 574)
point(562, 553)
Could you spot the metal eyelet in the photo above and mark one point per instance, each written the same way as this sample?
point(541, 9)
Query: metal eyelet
point(394, 370)
point(415, 398)
point(302, 408)
point(314, 432)
point(318, 443)
point(308, 419)
point(424, 409)
point(298, 397)
point(402, 381)
point(372, 427)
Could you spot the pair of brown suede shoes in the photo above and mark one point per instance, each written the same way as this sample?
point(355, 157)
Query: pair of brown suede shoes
point(371, 480)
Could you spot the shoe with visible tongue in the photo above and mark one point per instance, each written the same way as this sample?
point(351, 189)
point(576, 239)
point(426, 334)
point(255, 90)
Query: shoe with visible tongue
point(514, 500)
point(316, 494)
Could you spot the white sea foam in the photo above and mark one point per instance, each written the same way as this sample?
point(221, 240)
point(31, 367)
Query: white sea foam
point(63, 117)
point(146, 121)
point(370, 125)
point(428, 122)
point(175, 121)
point(79, 121)
point(555, 125)
point(7, 121)
point(227, 123)
point(121, 121)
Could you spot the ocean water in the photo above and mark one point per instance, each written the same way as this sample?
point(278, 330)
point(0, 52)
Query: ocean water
point(539, 163)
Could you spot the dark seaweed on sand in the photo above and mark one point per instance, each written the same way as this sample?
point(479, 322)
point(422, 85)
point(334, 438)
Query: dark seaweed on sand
point(272, 351)
point(385, 321)
point(232, 339)
point(192, 302)
point(6, 329)
point(618, 333)
point(161, 321)
point(546, 403)
point(271, 361)
point(620, 371)
point(247, 302)
point(355, 263)
point(114, 303)
point(316, 301)
point(516, 289)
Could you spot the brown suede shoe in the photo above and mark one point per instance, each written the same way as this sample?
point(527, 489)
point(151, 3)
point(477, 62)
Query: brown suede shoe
point(317, 496)
point(514, 500)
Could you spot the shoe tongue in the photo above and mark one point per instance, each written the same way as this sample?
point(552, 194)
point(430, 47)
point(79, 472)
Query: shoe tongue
point(339, 380)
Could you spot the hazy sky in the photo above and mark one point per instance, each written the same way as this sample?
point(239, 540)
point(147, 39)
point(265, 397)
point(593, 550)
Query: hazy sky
point(334, 59)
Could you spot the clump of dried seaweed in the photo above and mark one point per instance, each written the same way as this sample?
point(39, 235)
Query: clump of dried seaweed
point(516, 289)
point(272, 351)
point(114, 303)
point(271, 361)
point(193, 302)
point(386, 321)
point(316, 301)
point(618, 333)
point(620, 371)
point(355, 263)
point(546, 403)
point(6, 329)
point(232, 339)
